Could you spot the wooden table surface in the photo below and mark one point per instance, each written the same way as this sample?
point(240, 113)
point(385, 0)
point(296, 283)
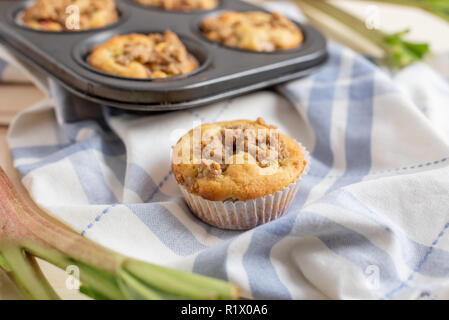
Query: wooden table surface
point(14, 98)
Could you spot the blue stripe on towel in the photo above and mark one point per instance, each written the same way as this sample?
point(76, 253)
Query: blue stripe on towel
point(36, 151)
point(140, 182)
point(359, 125)
point(169, 230)
point(212, 262)
point(111, 148)
point(91, 178)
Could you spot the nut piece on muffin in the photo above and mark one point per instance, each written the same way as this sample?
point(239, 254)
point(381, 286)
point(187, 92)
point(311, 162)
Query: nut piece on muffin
point(143, 56)
point(180, 5)
point(254, 30)
point(52, 15)
point(238, 174)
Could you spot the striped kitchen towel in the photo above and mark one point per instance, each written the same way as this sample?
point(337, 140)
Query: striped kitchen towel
point(370, 221)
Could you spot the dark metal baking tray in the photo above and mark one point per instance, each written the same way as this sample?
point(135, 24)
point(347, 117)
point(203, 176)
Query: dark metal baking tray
point(224, 72)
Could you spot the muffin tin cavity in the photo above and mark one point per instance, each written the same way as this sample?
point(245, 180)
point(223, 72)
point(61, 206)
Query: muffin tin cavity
point(196, 28)
point(17, 17)
point(83, 50)
point(222, 72)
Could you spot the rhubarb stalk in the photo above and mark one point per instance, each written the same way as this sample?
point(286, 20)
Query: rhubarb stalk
point(104, 274)
point(439, 8)
point(398, 53)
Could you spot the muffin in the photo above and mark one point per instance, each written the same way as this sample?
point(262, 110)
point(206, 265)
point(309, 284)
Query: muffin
point(255, 31)
point(238, 174)
point(53, 15)
point(143, 56)
point(180, 5)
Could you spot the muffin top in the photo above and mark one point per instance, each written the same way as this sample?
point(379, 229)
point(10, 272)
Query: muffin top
point(180, 5)
point(143, 56)
point(236, 160)
point(256, 31)
point(52, 15)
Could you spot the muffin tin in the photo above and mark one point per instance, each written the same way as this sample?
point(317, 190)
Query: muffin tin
point(223, 72)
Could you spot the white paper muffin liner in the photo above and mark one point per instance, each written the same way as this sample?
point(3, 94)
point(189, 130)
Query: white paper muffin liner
point(244, 215)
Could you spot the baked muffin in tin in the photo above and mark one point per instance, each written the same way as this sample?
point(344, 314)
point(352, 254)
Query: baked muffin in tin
point(238, 174)
point(143, 56)
point(180, 5)
point(59, 15)
point(254, 30)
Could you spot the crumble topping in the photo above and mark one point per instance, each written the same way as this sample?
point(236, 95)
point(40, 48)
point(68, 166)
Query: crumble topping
point(143, 56)
point(209, 168)
point(257, 31)
point(260, 146)
point(163, 55)
point(52, 15)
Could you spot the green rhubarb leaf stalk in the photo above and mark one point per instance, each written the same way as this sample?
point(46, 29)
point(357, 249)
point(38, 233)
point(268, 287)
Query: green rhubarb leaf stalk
point(402, 53)
point(398, 53)
point(104, 274)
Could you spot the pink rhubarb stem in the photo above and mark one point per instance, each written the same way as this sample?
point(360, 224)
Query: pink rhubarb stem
point(20, 224)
